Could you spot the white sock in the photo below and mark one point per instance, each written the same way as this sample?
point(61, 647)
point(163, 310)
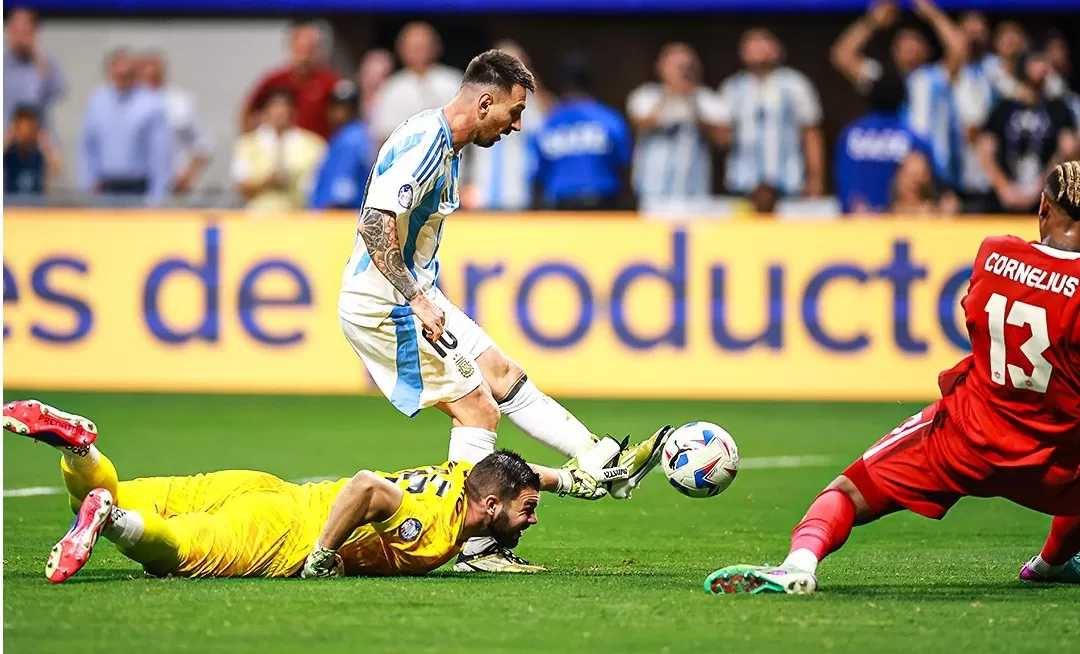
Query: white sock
point(126, 528)
point(470, 444)
point(1044, 569)
point(477, 544)
point(802, 559)
point(80, 457)
point(544, 419)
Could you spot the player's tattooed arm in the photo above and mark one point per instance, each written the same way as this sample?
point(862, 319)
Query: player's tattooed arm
point(379, 231)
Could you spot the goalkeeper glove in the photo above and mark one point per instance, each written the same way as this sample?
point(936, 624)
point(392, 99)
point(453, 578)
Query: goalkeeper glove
point(579, 484)
point(323, 562)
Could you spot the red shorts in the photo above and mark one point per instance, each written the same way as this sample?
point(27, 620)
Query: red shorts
point(926, 464)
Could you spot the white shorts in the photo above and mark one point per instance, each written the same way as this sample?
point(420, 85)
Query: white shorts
point(412, 372)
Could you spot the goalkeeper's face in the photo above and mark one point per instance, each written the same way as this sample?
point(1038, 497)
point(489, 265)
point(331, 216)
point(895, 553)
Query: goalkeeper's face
point(510, 519)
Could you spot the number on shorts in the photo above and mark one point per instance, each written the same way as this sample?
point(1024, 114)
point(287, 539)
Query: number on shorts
point(1019, 315)
point(446, 342)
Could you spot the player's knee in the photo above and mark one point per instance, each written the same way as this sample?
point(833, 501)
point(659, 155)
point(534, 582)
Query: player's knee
point(500, 371)
point(863, 511)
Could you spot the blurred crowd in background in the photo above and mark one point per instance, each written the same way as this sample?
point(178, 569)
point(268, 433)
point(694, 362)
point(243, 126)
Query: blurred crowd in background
point(973, 131)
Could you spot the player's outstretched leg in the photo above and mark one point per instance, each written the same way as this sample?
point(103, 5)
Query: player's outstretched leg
point(823, 530)
point(1059, 561)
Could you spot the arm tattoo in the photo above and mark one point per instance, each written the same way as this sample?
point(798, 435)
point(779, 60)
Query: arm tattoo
point(379, 231)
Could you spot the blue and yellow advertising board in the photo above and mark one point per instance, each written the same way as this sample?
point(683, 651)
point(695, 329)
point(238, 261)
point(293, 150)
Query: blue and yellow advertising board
point(612, 307)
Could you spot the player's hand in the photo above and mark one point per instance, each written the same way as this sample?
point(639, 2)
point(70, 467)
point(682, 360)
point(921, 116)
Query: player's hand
point(323, 562)
point(883, 14)
point(431, 317)
point(577, 483)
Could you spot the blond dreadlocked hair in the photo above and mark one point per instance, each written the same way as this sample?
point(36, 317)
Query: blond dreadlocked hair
point(1063, 187)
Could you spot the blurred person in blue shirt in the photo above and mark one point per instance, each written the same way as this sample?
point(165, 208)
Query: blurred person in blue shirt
point(872, 148)
point(127, 146)
point(341, 179)
point(582, 153)
point(24, 163)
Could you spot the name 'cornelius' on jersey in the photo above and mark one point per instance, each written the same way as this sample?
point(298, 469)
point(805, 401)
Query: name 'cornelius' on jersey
point(1031, 276)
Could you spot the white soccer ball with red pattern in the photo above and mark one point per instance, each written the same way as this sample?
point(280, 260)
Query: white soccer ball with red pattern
point(700, 459)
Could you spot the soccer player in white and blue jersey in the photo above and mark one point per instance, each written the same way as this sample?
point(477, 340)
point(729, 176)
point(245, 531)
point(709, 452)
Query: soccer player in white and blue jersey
point(419, 348)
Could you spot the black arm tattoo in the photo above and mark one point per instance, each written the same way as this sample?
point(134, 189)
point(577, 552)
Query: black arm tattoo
point(379, 231)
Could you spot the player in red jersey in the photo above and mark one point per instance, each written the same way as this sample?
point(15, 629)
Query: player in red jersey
point(1007, 424)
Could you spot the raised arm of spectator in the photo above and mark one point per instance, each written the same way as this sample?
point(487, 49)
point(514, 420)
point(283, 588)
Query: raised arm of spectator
point(161, 159)
point(808, 113)
point(847, 53)
point(89, 169)
point(952, 38)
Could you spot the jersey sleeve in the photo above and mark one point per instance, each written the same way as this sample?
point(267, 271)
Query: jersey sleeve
point(404, 168)
point(807, 102)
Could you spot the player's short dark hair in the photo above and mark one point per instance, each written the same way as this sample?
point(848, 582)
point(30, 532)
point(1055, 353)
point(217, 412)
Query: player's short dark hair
point(1063, 188)
point(278, 93)
point(499, 69)
point(26, 112)
point(887, 94)
point(503, 474)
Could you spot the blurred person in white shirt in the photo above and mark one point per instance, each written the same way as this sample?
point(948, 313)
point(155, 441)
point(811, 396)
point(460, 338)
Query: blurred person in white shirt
point(772, 119)
point(193, 146)
point(421, 84)
point(676, 121)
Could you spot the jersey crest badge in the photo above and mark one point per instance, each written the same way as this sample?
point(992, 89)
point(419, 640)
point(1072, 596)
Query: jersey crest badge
point(410, 530)
point(405, 196)
point(464, 366)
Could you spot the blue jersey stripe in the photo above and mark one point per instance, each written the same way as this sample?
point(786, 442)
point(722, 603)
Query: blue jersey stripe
point(410, 383)
point(417, 219)
point(433, 163)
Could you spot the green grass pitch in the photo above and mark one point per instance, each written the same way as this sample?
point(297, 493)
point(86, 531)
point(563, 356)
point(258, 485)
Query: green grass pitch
point(624, 576)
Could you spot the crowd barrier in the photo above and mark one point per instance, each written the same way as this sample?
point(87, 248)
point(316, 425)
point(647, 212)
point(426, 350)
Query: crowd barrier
point(592, 307)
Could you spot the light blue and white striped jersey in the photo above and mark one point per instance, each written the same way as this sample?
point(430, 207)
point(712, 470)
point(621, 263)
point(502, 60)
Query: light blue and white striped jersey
point(416, 177)
point(974, 97)
point(500, 174)
point(768, 115)
point(931, 113)
point(674, 158)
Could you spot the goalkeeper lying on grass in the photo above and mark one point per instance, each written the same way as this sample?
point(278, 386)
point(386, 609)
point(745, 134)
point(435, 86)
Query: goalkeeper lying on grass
point(242, 523)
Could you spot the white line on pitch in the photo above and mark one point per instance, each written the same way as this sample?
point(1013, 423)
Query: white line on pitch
point(755, 463)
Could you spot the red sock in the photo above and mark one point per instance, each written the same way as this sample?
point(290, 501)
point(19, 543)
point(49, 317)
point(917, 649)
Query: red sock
point(826, 525)
point(1063, 543)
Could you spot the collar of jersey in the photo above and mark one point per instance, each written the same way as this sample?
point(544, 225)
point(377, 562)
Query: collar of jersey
point(445, 127)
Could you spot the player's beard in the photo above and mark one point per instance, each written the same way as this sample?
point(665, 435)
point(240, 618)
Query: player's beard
point(503, 533)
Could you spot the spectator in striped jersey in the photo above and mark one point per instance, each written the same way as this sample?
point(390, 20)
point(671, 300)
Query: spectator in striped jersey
point(676, 121)
point(771, 117)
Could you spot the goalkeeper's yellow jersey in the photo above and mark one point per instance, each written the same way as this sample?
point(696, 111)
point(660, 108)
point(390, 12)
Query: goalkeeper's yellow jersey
point(243, 523)
point(422, 534)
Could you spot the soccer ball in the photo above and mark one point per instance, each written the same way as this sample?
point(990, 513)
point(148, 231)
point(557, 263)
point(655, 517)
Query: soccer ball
point(700, 459)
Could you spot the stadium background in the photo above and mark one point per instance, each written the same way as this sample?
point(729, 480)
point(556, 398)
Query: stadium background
point(141, 316)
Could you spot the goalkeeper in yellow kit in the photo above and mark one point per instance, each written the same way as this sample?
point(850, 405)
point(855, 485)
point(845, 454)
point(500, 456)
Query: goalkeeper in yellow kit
point(251, 524)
